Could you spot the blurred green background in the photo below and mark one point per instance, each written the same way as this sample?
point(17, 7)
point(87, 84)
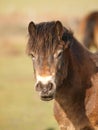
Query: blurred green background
point(20, 106)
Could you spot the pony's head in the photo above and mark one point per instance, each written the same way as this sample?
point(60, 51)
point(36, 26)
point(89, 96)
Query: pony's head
point(48, 46)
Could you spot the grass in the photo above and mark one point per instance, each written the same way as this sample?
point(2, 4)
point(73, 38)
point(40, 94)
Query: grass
point(20, 106)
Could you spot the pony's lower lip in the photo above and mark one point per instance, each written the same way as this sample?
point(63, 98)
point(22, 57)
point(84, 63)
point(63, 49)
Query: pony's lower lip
point(46, 98)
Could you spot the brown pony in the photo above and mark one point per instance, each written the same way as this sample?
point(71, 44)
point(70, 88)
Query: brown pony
point(66, 72)
point(90, 30)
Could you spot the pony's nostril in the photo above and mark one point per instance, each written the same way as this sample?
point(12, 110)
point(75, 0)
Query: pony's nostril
point(44, 87)
point(50, 86)
point(38, 86)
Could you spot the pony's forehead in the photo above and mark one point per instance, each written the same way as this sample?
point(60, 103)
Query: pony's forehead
point(46, 38)
point(46, 46)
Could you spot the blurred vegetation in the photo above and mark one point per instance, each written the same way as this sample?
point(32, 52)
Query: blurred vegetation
point(20, 106)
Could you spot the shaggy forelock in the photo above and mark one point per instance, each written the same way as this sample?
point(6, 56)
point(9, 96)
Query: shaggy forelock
point(45, 37)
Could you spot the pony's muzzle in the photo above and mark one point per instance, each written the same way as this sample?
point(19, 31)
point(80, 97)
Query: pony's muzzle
point(46, 90)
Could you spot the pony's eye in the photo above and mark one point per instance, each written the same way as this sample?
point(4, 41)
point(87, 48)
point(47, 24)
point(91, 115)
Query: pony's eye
point(32, 56)
point(58, 54)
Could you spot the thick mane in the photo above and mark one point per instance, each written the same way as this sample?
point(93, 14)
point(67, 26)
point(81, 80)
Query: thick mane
point(45, 28)
point(83, 56)
point(77, 50)
point(79, 57)
point(46, 35)
point(44, 38)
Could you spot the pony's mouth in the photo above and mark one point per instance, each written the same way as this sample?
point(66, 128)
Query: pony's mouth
point(47, 98)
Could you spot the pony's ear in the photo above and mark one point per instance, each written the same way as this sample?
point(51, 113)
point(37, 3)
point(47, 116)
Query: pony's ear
point(32, 29)
point(59, 29)
point(67, 38)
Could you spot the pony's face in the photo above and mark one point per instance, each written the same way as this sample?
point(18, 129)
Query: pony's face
point(47, 50)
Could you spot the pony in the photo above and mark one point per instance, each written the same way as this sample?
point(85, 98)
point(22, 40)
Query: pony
point(90, 30)
point(66, 72)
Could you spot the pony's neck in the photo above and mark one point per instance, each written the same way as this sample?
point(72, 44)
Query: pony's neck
point(80, 64)
point(71, 95)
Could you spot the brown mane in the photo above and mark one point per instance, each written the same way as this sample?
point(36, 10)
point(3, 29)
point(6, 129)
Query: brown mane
point(46, 32)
